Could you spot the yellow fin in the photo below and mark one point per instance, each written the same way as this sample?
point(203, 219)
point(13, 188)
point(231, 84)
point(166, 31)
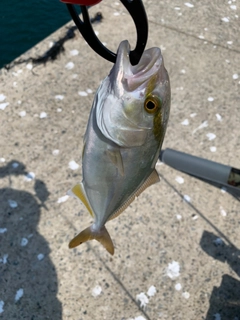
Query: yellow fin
point(79, 192)
point(101, 236)
point(152, 179)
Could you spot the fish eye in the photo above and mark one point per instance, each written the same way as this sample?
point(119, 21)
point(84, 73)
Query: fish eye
point(152, 104)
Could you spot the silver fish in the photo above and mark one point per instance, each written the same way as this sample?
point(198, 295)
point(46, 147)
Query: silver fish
point(123, 139)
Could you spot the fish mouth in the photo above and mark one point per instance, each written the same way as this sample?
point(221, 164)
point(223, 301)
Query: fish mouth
point(135, 77)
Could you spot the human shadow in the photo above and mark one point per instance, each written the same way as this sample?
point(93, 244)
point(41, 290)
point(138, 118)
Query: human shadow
point(224, 300)
point(28, 279)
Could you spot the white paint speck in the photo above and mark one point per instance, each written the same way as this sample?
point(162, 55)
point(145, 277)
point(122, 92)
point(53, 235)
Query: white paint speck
point(143, 299)
point(19, 102)
point(29, 176)
point(82, 93)
point(73, 165)
point(217, 316)
point(14, 84)
point(177, 8)
point(40, 256)
point(63, 199)
point(210, 99)
point(201, 36)
point(213, 149)
point(96, 291)
point(50, 44)
point(229, 42)
point(189, 5)
point(233, 7)
point(186, 198)
point(235, 76)
point(74, 52)
point(2, 97)
point(59, 110)
point(24, 242)
point(15, 165)
point(55, 152)
point(151, 291)
point(178, 286)
point(159, 163)
point(183, 71)
point(225, 19)
point(218, 242)
point(186, 295)
point(211, 136)
point(223, 212)
point(1, 306)
point(192, 115)
point(3, 230)
point(29, 66)
point(178, 216)
point(69, 65)
point(194, 217)
point(18, 295)
point(202, 125)
point(59, 97)
point(4, 258)
point(2, 160)
point(179, 179)
point(223, 190)
point(116, 14)
point(89, 91)
point(22, 113)
point(43, 115)
point(96, 33)
point(3, 105)
point(139, 318)
point(12, 203)
point(185, 122)
point(173, 270)
point(219, 117)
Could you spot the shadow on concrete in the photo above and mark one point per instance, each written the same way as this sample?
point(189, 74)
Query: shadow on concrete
point(28, 278)
point(225, 300)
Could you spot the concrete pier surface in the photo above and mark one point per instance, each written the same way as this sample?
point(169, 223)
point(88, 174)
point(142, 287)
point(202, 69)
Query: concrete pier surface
point(177, 247)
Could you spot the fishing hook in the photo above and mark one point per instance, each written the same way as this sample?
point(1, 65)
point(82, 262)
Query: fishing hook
point(137, 12)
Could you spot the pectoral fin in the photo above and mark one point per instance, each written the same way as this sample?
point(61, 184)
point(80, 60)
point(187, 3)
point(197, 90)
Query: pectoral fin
point(78, 192)
point(152, 179)
point(101, 236)
point(116, 158)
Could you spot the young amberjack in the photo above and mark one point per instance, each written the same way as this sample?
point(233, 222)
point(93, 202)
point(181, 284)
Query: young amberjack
point(123, 140)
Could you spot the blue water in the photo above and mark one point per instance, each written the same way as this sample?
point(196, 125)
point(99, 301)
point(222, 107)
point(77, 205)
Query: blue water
point(23, 23)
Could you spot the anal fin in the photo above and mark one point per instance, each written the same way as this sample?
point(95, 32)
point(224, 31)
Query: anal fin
point(152, 179)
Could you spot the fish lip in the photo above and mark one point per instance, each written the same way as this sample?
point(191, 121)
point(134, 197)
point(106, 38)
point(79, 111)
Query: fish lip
point(135, 77)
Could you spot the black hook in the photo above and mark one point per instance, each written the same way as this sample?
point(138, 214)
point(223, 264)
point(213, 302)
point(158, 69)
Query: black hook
point(137, 12)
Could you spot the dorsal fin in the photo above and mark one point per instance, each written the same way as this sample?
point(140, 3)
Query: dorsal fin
point(78, 192)
point(152, 179)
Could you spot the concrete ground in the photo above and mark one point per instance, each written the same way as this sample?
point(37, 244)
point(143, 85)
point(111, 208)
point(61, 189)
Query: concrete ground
point(174, 259)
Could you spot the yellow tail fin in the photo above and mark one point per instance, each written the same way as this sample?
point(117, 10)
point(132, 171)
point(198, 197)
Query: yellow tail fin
point(87, 234)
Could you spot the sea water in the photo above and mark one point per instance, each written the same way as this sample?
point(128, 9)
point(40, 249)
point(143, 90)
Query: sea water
point(24, 23)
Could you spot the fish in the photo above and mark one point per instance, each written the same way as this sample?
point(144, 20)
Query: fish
point(123, 139)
